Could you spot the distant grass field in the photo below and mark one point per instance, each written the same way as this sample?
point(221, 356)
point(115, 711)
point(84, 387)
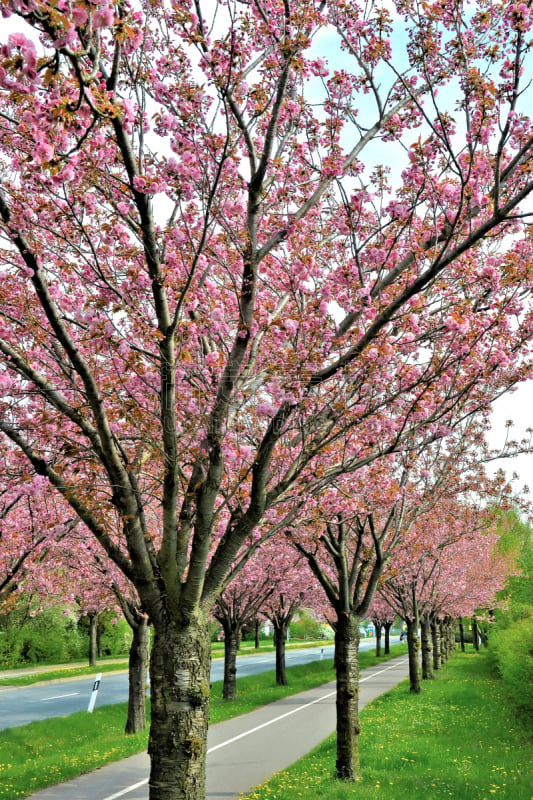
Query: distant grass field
point(458, 739)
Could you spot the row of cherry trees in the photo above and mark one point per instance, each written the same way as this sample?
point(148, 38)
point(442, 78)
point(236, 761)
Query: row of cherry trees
point(424, 552)
point(222, 314)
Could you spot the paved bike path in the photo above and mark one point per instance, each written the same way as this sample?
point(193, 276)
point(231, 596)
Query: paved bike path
point(244, 751)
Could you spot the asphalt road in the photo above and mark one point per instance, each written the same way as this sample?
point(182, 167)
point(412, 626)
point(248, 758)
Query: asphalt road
point(242, 752)
point(18, 706)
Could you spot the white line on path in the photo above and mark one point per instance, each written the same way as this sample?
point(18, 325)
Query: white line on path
point(257, 728)
point(59, 696)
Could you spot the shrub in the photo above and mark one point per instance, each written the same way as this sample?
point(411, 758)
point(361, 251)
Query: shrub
point(511, 651)
point(10, 648)
point(307, 627)
point(50, 636)
point(115, 635)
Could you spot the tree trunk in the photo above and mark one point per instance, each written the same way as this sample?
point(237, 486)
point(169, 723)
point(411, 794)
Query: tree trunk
point(93, 623)
point(280, 637)
point(138, 666)
point(378, 640)
point(98, 640)
point(435, 636)
point(483, 637)
point(179, 677)
point(387, 626)
point(231, 645)
point(427, 648)
point(462, 635)
point(257, 625)
point(475, 640)
point(347, 671)
point(413, 645)
point(450, 635)
point(446, 641)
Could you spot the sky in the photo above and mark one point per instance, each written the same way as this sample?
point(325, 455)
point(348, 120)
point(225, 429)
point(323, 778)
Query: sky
point(518, 407)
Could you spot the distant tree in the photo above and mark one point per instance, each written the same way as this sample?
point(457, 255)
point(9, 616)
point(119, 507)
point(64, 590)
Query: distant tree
point(382, 618)
point(293, 587)
point(237, 606)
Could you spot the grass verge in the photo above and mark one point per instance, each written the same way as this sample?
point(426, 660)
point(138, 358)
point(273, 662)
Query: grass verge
point(52, 751)
point(459, 739)
point(60, 673)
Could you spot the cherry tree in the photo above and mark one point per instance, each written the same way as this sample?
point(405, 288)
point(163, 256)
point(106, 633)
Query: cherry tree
point(273, 584)
point(439, 577)
point(359, 523)
point(215, 299)
point(33, 523)
point(293, 587)
point(468, 582)
point(92, 582)
point(238, 605)
point(371, 529)
point(29, 531)
point(383, 619)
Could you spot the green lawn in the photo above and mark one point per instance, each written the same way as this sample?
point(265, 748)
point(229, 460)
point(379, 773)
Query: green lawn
point(61, 673)
point(459, 739)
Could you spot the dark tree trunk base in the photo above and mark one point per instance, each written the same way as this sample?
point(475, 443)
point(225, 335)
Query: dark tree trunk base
point(180, 689)
point(138, 669)
point(347, 670)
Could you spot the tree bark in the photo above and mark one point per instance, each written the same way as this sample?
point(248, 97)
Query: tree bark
point(98, 640)
point(180, 686)
point(387, 626)
point(347, 672)
point(435, 636)
point(475, 640)
point(280, 638)
point(138, 667)
point(93, 622)
point(257, 625)
point(442, 636)
point(427, 648)
point(462, 635)
point(231, 645)
point(378, 639)
point(446, 640)
point(453, 645)
point(413, 645)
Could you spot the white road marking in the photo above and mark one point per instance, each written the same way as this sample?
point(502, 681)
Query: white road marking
point(59, 696)
point(125, 791)
point(399, 663)
point(257, 728)
point(270, 722)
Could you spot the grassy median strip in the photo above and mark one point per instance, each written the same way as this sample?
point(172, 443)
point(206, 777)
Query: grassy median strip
point(62, 673)
point(52, 751)
point(457, 739)
point(217, 651)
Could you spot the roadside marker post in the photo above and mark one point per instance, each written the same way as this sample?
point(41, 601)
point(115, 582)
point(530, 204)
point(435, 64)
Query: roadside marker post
point(96, 686)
